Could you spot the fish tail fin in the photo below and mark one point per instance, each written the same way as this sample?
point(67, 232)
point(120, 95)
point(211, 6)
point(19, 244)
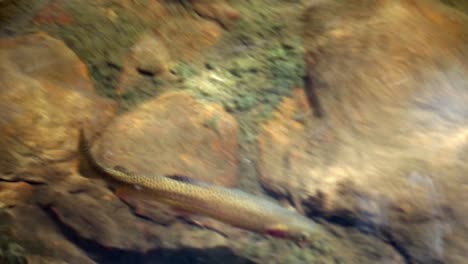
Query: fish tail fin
point(87, 165)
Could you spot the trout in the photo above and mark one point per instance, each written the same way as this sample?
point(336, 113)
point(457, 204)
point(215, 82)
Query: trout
point(228, 205)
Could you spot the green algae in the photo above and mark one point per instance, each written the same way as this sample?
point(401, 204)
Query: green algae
point(143, 90)
point(260, 57)
point(184, 70)
point(257, 63)
point(101, 41)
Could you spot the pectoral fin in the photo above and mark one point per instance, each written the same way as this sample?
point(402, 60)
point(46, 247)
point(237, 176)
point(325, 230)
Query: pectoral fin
point(279, 230)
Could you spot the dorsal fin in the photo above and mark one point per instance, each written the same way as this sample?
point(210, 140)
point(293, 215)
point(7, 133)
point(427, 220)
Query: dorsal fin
point(122, 169)
point(181, 178)
point(186, 179)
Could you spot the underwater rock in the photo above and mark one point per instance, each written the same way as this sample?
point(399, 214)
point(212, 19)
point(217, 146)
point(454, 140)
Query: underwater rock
point(46, 93)
point(95, 214)
point(148, 57)
point(174, 135)
point(171, 135)
point(53, 13)
point(40, 238)
point(217, 10)
point(176, 39)
point(149, 208)
point(187, 37)
point(93, 218)
point(391, 79)
point(13, 192)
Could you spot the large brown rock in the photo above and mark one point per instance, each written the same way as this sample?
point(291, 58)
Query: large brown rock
point(177, 37)
point(40, 238)
point(96, 214)
point(45, 95)
point(149, 56)
point(388, 153)
point(174, 135)
point(171, 135)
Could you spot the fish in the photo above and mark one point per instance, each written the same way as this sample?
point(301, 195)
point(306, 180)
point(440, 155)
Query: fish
point(228, 205)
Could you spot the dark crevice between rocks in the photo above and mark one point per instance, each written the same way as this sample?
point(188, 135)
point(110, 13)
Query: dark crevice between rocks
point(114, 66)
point(140, 215)
point(30, 182)
point(105, 255)
point(310, 89)
point(144, 72)
point(347, 219)
point(215, 20)
point(388, 238)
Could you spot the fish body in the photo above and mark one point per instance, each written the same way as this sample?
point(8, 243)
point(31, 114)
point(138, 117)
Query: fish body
point(231, 206)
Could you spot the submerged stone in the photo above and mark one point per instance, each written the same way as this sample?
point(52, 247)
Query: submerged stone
point(390, 78)
point(46, 94)
point(174, 135)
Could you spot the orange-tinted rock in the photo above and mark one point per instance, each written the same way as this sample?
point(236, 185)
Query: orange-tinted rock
point(46, 93)
point(276, 143)
point(186, 37)
point(148, 57)
point(12, 193)
point(87, 208)
point(217, 10)
point(53, 13)
point(174, 135)
point(41, 239)
point(96, 214)
point(149, 11)
point(391, 79)
point(147, 206)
